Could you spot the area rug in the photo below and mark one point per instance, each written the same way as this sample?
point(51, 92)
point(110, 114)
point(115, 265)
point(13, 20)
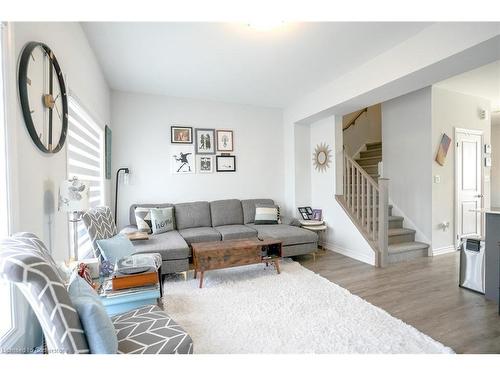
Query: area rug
point(251, 309)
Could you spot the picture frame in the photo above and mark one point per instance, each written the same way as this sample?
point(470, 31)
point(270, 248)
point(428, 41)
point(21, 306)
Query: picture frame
point(306, 212)
point(224, 140)
point(181, 134)
point(107, 151)
point(205, 163)
point(182, 160)
point(317, 214)
point(225, 163)
point(444, 145)
point(204, 141)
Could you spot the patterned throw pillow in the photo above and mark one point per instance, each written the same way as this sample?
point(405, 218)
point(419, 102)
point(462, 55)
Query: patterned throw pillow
point(266, 214)
point(162, 220)
point(143, 219)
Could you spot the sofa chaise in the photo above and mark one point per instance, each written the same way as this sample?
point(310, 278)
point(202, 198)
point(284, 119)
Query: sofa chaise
point(220, 220)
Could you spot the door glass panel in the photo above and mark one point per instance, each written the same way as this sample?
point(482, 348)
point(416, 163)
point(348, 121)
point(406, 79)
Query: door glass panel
point(470, 223)
point(469, 165)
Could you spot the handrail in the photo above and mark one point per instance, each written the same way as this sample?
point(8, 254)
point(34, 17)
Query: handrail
point(361, 170)
point(368, 204)
point(351, 123)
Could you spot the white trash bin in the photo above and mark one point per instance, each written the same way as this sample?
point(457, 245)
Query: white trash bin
point(472, 265)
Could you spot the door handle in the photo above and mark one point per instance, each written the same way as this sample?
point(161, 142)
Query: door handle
point(478, 196)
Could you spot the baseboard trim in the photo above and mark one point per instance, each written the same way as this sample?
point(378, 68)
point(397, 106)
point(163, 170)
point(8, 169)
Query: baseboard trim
point(443, 250)
point(349, 253)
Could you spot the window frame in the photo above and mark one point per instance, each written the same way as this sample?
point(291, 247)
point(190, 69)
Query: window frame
point(72, 97)
point(8, 64)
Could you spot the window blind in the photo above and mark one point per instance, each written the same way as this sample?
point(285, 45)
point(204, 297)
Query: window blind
point(86, 162)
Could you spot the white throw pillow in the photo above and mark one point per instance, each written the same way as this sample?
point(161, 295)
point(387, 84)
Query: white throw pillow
point(162, 220)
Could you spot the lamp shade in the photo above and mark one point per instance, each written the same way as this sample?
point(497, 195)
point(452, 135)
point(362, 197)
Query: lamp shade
point(74, 195)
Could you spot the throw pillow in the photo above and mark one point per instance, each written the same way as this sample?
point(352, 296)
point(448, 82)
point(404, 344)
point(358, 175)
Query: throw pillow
point(115, 247)
point(143, 219)
point(162, 220)
point(97, 325)
point(266, 214)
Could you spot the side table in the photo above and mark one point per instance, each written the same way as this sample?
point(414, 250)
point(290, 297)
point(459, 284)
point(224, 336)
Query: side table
point(317, 226)
point(117, 302)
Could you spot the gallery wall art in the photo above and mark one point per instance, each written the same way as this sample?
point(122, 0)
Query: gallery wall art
point(205, 163)
point(182, 160)
point(226, 163)
point(181, 134)
point(224, 140)
point(204, 141)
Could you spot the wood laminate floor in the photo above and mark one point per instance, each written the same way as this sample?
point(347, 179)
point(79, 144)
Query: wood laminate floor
point(423, 293)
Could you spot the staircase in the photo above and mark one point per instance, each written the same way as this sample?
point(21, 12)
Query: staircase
point(366, 202)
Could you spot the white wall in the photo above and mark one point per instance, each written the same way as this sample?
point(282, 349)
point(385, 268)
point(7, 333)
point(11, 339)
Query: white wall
point(452, 110)
point(341, 235)
point(407, 157)
point(303, 162)
point(495, 160)
point(34, 177)
point(38, 175)
point(366, 129)
point(141, 141)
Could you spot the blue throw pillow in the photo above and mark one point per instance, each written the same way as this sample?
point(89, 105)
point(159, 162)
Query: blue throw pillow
point(99, 330)
point(116, 247)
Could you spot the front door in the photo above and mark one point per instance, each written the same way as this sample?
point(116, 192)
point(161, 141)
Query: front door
point(469, 183)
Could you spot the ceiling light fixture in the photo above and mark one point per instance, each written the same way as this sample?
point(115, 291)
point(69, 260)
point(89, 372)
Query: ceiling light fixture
point(265, 25)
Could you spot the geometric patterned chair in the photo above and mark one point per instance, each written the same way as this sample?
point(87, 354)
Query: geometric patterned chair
point(100, 226)
point(26, 262)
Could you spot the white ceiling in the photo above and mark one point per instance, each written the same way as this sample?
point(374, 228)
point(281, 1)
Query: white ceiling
point(483, 82)
point(234, 63)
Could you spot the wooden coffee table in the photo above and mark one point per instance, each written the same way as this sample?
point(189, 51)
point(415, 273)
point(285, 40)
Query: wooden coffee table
point(224, 254)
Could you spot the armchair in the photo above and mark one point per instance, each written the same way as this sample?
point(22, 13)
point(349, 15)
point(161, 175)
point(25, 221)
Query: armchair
point(26, 262)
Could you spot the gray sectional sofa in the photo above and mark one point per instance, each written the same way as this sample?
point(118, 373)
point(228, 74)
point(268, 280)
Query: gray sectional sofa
point(227, 219)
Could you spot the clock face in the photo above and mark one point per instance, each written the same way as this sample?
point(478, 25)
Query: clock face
point(43, 97)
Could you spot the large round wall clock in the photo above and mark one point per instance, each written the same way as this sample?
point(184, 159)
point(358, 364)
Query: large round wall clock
point(43, 97)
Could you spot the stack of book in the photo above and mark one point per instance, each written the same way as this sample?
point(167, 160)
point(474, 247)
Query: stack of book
point(123, 279)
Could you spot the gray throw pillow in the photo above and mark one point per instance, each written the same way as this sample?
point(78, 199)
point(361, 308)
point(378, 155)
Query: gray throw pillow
point(143, 219)
point(162, 220)
point(267, 214)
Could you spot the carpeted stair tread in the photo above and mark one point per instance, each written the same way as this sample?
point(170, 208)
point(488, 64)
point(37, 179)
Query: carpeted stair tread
point(407, 246)
point(400, 231)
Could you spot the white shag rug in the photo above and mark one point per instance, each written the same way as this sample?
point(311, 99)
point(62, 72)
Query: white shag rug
point(251, 309)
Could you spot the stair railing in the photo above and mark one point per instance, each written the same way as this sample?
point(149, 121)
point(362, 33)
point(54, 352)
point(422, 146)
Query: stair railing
point(353, 121)
point(368, 203)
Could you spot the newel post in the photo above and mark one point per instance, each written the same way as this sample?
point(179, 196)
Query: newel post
point(383, 221)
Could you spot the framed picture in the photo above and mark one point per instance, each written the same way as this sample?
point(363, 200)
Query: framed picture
point(181, 134)
point(444, 145)
point(205, 164)
point(107, 151)
point(204, 141)
point(226, 163)
point(224, 140)
point(306, 212)
point(182, 160)
point(316, 215)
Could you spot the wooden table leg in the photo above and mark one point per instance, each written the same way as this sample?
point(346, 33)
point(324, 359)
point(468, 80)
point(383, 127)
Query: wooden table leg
point(201, 279)
point(277, 265)
point(195, 272)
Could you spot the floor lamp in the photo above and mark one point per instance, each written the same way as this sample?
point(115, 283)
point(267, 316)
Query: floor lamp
point(126, 171)
point(74, 199)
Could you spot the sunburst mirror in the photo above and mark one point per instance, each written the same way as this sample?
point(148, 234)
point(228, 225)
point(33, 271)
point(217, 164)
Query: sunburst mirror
point(322, 157)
